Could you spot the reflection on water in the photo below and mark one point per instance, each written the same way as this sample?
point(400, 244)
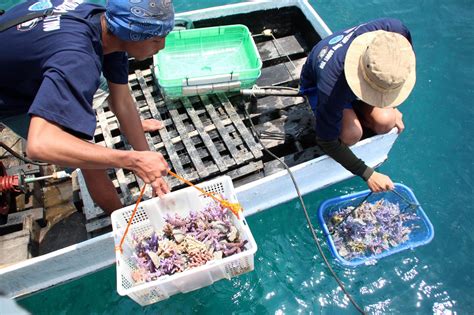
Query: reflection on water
point(289, 278)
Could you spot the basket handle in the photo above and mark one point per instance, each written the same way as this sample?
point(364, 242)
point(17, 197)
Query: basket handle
point(210, 88)
point(234, 207)
point(211, 79)
point(118, 248)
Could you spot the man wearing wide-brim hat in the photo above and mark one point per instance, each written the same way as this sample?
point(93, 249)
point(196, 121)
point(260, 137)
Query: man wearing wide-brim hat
point(55, 52)
point(356, 78)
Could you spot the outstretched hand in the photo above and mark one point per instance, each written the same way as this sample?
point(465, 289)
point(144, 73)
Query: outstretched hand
point(379, 182)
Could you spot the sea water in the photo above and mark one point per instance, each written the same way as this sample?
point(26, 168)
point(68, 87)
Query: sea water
point(434, 156)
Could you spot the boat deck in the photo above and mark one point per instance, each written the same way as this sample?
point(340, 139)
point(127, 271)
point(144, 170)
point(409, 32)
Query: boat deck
point(209, 136)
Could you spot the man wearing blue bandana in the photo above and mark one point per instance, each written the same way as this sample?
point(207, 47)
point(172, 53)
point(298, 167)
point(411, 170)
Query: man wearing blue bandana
point(52, 56)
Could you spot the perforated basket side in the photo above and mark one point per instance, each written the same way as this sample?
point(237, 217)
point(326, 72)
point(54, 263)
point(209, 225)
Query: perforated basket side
point(238, 267)
point(140, 225)
point(144, 293)
point(221, 186)
point(149, 296)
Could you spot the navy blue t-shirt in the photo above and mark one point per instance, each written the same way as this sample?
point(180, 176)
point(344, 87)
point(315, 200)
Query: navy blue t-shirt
point(323, 75)
point(51, 67)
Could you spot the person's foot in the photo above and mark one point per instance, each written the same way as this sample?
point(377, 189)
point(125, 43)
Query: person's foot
point(149, 125)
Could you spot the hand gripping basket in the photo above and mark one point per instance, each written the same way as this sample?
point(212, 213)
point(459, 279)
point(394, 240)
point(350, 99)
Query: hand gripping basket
point(151, 214)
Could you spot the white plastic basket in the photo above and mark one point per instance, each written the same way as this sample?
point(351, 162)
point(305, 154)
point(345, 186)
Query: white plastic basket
point(151, 214)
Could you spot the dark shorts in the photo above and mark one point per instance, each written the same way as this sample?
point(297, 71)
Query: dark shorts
point(18, 123)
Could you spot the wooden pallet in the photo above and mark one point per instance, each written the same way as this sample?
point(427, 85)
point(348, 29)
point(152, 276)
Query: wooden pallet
point(202, 137)
point(208, 136)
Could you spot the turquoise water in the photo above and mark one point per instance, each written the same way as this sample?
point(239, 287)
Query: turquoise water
point(433, 156)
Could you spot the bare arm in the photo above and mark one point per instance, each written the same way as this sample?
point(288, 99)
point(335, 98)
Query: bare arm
point(48, 142)
point(122, 105)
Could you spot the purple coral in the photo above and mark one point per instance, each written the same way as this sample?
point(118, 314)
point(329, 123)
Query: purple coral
point(371, 229)
point(186, 243)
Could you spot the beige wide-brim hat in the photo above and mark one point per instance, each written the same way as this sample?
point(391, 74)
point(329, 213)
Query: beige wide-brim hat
point(380, 68)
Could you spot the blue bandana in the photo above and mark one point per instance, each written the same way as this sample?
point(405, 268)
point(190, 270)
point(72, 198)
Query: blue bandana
point(137, 20)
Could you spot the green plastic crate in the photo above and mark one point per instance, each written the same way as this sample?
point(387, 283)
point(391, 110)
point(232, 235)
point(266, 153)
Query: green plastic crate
point(207, 60)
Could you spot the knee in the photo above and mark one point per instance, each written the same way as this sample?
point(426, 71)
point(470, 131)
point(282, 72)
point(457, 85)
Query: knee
point(351, 136)
point(384, 122)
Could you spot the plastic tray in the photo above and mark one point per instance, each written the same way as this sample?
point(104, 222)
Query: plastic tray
point(150, 214)
point(207, 60)
point(422, 234)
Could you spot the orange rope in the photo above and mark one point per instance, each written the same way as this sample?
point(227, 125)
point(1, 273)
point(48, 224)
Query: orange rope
point(234, 207)
point(119, 247)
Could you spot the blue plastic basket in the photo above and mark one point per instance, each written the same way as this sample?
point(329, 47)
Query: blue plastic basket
point(421, 234)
